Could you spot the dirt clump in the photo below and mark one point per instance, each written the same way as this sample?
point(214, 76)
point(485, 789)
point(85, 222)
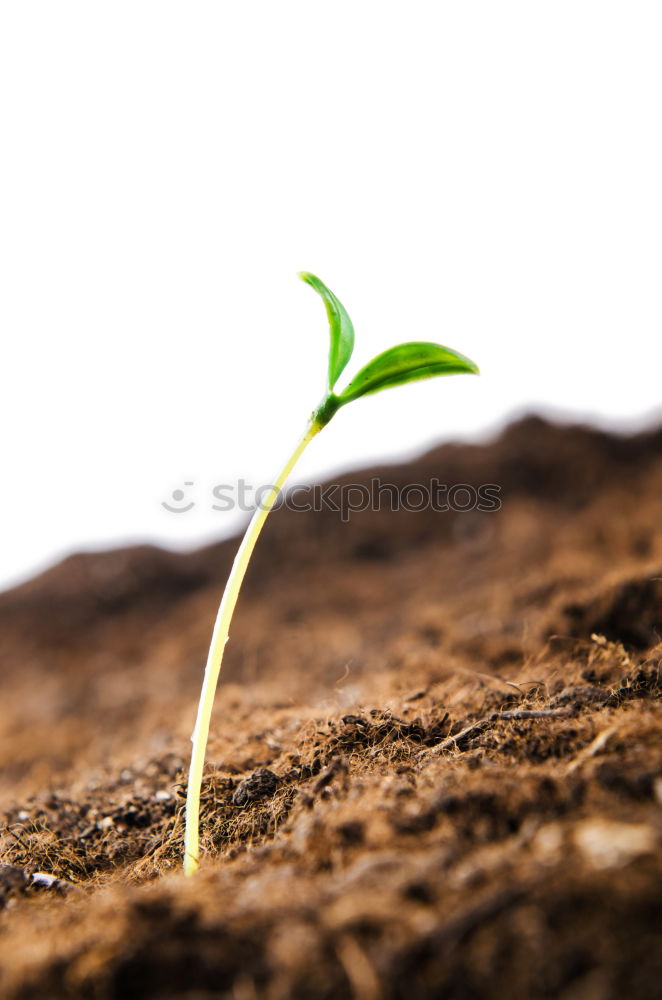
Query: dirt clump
point(436, 760)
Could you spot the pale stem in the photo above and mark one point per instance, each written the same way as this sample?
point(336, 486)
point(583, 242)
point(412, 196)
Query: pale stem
point(215, 657)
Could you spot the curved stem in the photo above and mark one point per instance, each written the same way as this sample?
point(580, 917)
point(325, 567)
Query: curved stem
point(215, 657)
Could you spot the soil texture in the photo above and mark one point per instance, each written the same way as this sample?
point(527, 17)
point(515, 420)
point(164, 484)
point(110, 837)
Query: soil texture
point(435, 766)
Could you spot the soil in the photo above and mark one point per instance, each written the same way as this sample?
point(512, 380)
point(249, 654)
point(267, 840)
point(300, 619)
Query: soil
point(435, 767)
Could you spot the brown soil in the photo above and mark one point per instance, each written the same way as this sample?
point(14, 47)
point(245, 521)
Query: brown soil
point(436, 761)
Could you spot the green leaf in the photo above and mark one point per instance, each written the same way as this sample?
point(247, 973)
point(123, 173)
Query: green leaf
point(340, 328)
point(406, 363)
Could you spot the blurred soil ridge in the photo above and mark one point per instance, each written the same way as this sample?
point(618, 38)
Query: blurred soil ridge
point(435, 766)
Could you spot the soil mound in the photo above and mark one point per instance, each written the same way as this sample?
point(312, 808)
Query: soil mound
point(436, 759)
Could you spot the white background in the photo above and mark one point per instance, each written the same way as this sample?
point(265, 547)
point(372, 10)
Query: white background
point(483, 174)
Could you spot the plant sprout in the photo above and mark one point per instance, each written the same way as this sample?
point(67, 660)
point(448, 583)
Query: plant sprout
point(408, 362)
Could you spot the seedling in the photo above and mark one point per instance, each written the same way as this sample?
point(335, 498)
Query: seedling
point(397, 366)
